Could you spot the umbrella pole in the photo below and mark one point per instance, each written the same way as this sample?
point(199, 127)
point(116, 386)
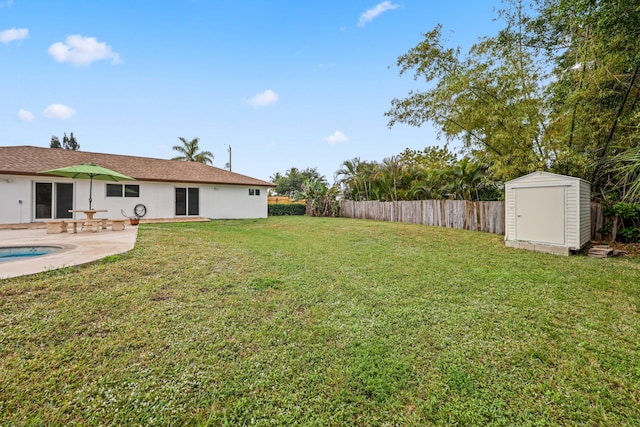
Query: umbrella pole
point(90, 190)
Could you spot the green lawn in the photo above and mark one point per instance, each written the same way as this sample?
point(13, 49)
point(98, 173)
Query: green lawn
point(313, 321)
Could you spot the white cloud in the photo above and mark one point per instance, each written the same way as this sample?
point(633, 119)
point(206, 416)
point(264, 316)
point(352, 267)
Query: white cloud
point(13, 34)
point(336, 138)
point(58, 111)
point(82, 51)
point(375, 11)
point(263, 99)
point(25, 116)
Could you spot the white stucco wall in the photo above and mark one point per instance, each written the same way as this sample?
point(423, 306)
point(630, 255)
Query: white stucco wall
point(216, 201)
point(15, 199)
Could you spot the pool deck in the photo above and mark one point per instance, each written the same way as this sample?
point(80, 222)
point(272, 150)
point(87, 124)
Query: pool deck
point(77, 249)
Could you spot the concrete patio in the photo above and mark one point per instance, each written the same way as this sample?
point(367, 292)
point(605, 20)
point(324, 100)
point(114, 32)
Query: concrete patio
point(76, 249)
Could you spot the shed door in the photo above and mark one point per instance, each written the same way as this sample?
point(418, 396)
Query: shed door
point(540, 215)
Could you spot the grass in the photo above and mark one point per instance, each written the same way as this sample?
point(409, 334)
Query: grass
point(309, 321)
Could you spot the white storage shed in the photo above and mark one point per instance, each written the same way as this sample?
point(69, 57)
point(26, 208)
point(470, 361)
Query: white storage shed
point(546, 212)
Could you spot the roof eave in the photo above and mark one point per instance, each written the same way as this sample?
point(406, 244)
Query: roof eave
point(246, 184)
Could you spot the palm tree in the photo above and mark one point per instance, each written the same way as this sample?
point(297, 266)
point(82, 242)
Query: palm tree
point(355, 177)
point(388, 178)
point(347, 177)
point(190, 153)
point(625, 168)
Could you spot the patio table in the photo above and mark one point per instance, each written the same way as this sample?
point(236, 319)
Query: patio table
point(89, 213)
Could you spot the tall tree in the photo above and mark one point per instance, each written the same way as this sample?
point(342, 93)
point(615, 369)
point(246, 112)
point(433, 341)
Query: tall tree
point(68, 142)
point(490, 98)
point(190, 152)
point(290, 183)
point(594, 47)
point(557, 89)
point(430, 157)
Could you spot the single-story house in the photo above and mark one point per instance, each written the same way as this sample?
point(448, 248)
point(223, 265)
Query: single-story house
point(166, 188)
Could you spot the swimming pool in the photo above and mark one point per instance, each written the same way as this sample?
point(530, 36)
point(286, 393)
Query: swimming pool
point(14, 253)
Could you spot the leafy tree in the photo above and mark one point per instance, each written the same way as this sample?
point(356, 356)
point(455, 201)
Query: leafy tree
point(428, 170)
point(55, 142)
point(556, 89)
point(290, 183)
point(594, 48)
point(321, 199)
point(189, 151)
point(433, 173)
point(68, 142)
point(430, 157)
point(489, 99)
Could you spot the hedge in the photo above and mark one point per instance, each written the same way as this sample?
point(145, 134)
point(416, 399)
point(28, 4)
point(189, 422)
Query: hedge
point(289, 209)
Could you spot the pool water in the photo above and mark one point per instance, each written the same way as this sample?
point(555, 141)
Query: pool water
point(22, 252)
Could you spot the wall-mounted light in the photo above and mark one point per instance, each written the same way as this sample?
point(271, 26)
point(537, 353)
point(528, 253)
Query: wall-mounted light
point(7, 180)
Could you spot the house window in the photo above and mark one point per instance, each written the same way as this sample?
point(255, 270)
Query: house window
point(131, 190)
point(254, 191)
point(116, 190)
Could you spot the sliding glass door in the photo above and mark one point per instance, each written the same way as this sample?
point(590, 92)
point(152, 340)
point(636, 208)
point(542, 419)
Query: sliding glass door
point(53, 200)
point(187, 201)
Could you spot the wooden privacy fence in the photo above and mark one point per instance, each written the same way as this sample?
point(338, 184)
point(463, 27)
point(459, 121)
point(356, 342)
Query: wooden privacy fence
point(283, 200)
point(597, 221)
point(477, 216)
point(602, 227)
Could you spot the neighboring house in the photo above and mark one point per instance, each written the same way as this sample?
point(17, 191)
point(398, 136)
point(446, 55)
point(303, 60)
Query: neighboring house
point(167, 188)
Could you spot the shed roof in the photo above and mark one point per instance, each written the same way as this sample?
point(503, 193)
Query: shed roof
point(29, 160)
point(538, 174)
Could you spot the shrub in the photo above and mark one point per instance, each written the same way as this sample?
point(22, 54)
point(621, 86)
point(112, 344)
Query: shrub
point(284, 210)
point(320, 198)
point(626, 220)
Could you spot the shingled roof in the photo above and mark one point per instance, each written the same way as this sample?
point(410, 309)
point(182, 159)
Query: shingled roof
point(28, 160)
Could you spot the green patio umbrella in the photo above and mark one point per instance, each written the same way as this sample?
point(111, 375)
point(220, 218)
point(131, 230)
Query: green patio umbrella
point(89, 171)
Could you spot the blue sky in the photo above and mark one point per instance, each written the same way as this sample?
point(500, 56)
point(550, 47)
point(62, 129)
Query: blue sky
point(285, 83)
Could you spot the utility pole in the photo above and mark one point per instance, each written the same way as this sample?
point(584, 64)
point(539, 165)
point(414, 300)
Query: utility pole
point(229, 164)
